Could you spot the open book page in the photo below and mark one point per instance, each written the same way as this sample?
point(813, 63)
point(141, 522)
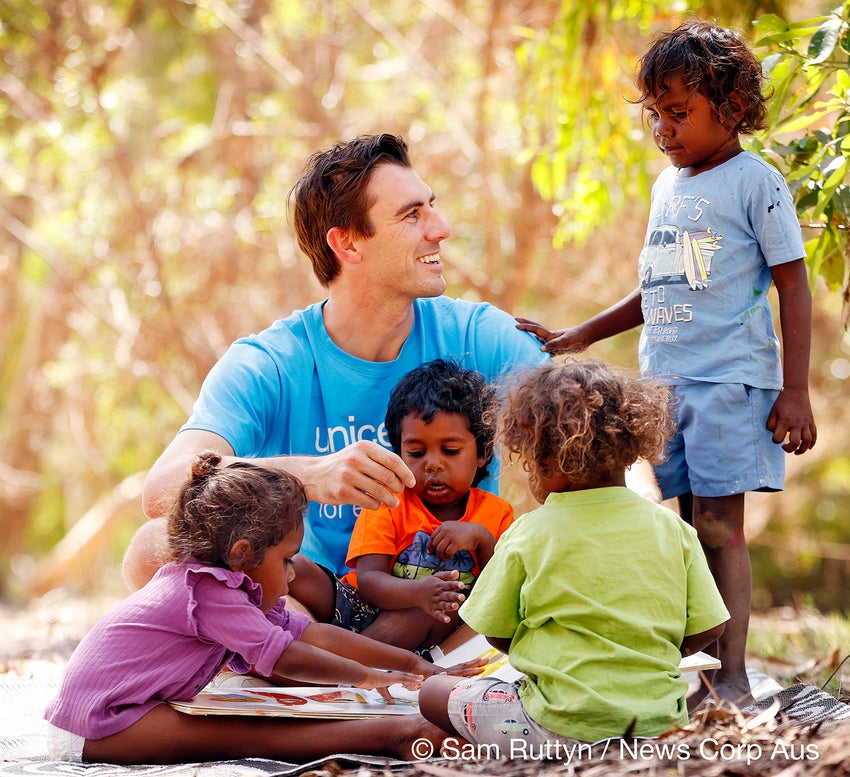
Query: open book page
point(477, 646)
point(314, 702)
point(347, 702)
point(499, 666)
point(698, 661)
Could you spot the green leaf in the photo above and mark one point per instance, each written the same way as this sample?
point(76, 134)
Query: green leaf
point(807, 169)
point(823, 42)
point(801, 122)
point(841, 202)
point(825, 258)
point(835, 179)
point(782, 76)
point(769, 24)
point(769, 62)
point(831, 167)
point(842, 84)
point(814, 257)
point(791, 33)
point(807, 200)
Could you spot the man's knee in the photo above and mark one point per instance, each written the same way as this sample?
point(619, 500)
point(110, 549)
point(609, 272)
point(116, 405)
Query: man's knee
point(147, 552)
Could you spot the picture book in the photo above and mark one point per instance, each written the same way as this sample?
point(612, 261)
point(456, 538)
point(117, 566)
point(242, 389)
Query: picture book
point(347, 702)
point(499, 666)
point(477, 646)
point(314, 702)
point(698, 661)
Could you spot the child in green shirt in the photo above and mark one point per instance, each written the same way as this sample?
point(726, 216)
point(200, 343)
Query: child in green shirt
point(597, 594)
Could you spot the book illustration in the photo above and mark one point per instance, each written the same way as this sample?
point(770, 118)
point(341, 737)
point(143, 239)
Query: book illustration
point(339, 696)
point(497, 666)
point(477, 646)
point(333, 702)
point(347, 702)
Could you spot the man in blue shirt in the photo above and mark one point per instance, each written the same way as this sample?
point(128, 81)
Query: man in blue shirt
point(309, 394)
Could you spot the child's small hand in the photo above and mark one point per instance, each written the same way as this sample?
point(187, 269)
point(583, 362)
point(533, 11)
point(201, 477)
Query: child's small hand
point(465, 668)
point(440, 594)
point(452, 536)
point(792, 422)
point(555, 340)
point(381, 679)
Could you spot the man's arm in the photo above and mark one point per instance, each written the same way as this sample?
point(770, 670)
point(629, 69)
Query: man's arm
point(173, 467)
point(363, 474)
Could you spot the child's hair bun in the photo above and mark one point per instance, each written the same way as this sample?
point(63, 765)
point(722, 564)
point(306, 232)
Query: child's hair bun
point(204, 464)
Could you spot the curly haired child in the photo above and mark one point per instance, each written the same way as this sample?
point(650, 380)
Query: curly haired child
point(722, 228)
point(232, 536)
point(596, 594)
point(415, 563)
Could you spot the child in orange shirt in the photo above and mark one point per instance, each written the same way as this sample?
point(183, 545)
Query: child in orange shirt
point(415, 564)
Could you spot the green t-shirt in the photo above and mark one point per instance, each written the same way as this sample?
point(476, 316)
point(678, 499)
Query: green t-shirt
point(597, 589)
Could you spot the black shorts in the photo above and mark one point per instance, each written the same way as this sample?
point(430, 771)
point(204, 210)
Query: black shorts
point(350, 611)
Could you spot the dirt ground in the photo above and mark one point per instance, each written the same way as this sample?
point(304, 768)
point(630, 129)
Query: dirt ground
point(37, 641)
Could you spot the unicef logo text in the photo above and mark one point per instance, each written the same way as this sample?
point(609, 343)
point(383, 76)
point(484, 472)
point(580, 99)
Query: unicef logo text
point(335, 438)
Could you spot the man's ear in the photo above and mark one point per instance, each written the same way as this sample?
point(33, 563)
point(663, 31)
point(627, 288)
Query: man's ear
point(241, 556)
point(342, 245)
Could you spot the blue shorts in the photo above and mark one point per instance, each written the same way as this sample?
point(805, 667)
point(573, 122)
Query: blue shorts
point(722, 445)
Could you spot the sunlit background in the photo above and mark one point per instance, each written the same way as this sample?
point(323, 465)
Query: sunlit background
point(146, 153)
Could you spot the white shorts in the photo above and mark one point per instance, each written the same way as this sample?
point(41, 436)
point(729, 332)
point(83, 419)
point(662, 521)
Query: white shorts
point(488, 711)
point(63, 745)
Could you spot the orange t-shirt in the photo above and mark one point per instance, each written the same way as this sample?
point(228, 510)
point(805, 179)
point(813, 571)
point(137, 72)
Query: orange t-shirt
point(405, 531)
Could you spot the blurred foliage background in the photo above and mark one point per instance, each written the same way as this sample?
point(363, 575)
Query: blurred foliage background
point(146, 154)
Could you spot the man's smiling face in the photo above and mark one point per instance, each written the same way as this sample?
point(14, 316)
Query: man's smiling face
point(403, 255)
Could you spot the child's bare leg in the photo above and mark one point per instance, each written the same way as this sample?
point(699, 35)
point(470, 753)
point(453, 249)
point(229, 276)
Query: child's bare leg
point(719, 521)
point(434, 700)
point(410, 629)
point(164, 735)
point(313, 588)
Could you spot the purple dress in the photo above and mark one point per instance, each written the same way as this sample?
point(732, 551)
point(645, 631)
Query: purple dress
point(166, 642)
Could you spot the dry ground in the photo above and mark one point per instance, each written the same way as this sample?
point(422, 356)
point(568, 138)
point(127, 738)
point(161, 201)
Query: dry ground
point(37, 640)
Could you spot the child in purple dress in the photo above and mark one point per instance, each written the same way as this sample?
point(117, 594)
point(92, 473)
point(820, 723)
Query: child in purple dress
point(232, 536)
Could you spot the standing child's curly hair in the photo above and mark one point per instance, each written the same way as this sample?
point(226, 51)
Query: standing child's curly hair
point(585, 420)
point(219, 506)
point(715, 62)
point(444, 385)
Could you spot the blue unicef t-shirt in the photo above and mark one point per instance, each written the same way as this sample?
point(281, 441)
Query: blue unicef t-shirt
point(290, 391)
